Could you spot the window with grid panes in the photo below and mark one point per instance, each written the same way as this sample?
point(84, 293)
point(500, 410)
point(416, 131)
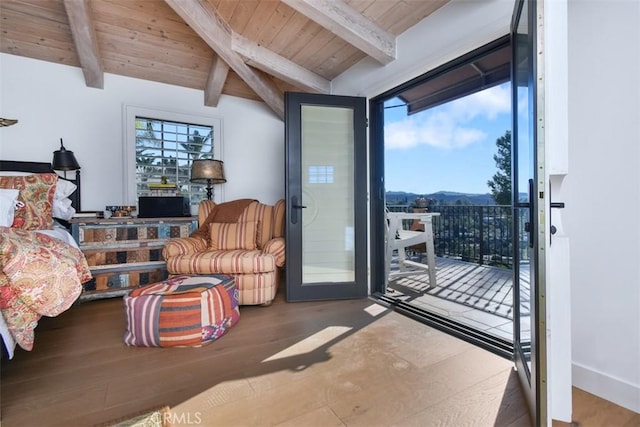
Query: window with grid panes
point(164, 152)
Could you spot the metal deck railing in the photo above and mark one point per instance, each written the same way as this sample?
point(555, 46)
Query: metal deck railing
point(480, 234)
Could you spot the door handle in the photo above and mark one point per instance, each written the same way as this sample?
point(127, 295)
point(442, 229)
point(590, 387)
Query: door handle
point(294, 209)
point(553, 205)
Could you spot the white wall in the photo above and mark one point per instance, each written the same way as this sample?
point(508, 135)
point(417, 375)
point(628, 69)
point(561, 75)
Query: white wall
point(603, 197)
point(51, 101)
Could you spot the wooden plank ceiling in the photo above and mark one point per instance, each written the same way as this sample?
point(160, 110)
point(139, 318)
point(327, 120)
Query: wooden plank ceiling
point(254, 49)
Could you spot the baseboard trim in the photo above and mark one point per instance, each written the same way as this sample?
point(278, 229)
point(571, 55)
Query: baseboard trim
point(613, 389)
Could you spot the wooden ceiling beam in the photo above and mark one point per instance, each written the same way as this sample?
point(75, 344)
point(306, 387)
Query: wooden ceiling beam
point(351, 26)
point(279, 66)
point(86, 41)
point(209, 25)
point(215, 82)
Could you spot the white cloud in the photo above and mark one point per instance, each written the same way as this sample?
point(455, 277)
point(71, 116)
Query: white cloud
point(449, 126)
point(488, 103)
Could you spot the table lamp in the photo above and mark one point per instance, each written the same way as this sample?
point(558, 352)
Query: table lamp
point(210, 171)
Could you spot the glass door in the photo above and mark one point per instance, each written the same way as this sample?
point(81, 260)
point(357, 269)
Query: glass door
point(326, 195)
point(528, 208)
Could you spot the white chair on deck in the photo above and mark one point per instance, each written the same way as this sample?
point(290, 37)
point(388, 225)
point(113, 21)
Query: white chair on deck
point(400, 239)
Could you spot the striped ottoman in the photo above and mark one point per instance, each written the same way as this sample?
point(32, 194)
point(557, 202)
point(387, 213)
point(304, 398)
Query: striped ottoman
point(182, 311)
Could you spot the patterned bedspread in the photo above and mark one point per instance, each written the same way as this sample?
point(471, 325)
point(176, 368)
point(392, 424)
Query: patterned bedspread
point(39, 276)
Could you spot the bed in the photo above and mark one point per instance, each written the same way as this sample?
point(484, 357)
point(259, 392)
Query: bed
point(41, 267)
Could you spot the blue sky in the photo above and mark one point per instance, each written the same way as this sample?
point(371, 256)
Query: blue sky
point(446, 148)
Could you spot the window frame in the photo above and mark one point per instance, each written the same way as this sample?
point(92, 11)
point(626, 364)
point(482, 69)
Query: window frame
point(130, 113)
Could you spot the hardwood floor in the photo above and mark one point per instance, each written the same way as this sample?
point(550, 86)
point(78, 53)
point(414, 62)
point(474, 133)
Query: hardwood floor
point(592, 411)
point(291, 364)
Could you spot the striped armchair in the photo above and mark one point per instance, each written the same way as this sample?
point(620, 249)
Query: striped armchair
point(250, 249)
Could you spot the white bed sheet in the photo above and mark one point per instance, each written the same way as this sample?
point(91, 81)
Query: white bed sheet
point(60, 233)
point(7, 338)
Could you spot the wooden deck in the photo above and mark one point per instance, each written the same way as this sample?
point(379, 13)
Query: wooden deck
point(476, 295)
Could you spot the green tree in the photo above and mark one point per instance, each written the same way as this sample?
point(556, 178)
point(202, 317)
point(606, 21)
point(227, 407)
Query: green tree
point(196, 143)
point(500, 184)
point(145, 136)
point(197, 146)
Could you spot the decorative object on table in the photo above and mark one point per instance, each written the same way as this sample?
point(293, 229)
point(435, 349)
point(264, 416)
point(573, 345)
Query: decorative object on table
point(89, 214)
point(121, 211)
point(7, 122)
point(162, 189)
point(209, 171)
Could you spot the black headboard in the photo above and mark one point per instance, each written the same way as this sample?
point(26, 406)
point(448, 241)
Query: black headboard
point(42, 167)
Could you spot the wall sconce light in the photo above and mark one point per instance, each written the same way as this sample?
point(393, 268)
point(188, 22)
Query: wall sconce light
point(7, 122)
point(210, 171)
point(64, 160)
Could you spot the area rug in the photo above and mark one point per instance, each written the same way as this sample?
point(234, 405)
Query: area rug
point(149, 418)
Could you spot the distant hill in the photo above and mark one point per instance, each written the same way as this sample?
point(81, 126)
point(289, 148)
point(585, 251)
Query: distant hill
point(440, 197)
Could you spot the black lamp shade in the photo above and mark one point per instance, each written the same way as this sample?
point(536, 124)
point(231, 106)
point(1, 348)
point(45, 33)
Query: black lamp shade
point(64, 160)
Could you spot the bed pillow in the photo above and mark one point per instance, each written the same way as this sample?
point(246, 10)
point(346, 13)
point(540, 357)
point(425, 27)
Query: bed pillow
point(36, 192)
point(227, 236)
point(64, 188)
point(62, 208)
point(8, 200)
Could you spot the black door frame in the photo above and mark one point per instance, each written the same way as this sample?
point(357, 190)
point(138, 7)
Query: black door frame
point(533, 380)
point(296, 290)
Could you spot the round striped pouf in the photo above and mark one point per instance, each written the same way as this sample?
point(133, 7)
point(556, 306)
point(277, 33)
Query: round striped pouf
point(183, 311)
